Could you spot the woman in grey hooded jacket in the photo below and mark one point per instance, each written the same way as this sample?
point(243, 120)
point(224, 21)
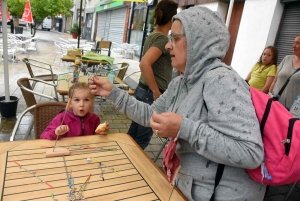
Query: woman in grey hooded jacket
point(207, 108)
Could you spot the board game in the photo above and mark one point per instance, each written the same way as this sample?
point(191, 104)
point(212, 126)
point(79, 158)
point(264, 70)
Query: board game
point(94, 171)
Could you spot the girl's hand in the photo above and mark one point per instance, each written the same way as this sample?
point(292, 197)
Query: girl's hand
point(100, 86)
point(60, 130)
point(166, 124)
point(104, 132)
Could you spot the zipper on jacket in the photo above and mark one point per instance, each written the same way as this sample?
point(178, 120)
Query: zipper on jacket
point(82, 125)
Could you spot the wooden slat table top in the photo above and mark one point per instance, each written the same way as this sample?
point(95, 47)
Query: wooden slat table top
point(64, 83)
point(136, 177)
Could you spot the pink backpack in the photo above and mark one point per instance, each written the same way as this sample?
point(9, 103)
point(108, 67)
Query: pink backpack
point(281, 138)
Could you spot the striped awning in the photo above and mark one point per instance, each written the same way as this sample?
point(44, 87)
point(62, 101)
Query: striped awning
point(192, 2)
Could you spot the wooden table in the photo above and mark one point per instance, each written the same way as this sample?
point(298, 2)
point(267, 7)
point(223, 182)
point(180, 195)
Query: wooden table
point(128, 173)
point(64, 83)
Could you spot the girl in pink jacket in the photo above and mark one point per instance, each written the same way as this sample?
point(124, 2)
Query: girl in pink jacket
point(78, 120)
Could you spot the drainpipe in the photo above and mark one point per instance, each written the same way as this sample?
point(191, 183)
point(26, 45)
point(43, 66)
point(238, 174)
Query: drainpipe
point(131, 21)
point(79, 32)
point(145, 32)
point(229, 13)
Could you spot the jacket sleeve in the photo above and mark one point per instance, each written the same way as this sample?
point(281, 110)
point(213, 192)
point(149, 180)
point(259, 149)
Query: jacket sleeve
point(49, 132)
point(138, 111)
point(231, 134)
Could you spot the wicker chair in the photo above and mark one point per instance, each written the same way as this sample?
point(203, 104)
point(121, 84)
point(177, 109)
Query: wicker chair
point(123, 69)
point(43, 114)
point(28, 92)
point(29, 96)
point(103, 45)
point(40, 65)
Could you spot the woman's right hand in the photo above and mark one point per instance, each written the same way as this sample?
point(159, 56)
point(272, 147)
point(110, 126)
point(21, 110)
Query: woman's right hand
point(100, 86)
point(60, 130)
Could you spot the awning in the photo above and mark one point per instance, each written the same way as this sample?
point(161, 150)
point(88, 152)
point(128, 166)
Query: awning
point(192, 2)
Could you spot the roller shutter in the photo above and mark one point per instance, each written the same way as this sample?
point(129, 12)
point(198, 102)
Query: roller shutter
point(103, 24)
point(289, 29)
point(117, 23)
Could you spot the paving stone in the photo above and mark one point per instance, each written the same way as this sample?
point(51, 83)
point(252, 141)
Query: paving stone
point(122, 121)
point(117, 126)
point(123, 130)
point(4, 137)
point(113, 130)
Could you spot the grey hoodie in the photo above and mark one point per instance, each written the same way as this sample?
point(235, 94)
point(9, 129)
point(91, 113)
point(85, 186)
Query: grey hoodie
point(219, 124)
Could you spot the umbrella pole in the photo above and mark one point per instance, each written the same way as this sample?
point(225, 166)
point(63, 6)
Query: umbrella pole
point(79, 33)
point(5, 52)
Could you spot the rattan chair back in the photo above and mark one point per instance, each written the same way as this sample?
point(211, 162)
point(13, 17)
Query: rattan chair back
point(123, 70)
point(28, 96)
point(43, 115)
point(106, 45)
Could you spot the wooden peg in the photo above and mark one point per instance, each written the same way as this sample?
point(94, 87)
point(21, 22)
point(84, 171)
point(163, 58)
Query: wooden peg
point(59, 151)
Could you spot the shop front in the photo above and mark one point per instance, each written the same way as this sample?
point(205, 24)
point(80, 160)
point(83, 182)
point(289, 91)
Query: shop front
point(111, 20)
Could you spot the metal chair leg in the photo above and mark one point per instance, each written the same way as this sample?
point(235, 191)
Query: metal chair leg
point(160, 150)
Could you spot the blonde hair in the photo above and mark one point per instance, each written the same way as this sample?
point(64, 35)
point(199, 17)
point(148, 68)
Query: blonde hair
point(79, 85)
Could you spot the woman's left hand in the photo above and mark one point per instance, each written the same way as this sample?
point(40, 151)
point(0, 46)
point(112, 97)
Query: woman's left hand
point(165, 124)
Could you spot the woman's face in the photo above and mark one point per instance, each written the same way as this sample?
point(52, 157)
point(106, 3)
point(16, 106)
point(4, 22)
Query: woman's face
point(296, 46)
point(177, 46)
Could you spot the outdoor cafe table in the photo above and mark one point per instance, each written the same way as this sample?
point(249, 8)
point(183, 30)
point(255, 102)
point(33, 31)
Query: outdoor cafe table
point(90, 62)
point(64, 83)
point(112, 167)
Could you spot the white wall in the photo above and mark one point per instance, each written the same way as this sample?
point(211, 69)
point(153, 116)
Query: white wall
point(258, 29)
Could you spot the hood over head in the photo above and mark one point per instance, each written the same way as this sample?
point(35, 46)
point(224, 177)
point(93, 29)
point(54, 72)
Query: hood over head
point(207, 40)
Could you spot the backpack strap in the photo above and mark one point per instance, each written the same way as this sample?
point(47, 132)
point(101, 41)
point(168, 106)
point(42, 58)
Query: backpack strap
point(285, 84)
point(219, 175)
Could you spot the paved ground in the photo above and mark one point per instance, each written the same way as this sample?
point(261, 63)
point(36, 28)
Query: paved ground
point(106, 111)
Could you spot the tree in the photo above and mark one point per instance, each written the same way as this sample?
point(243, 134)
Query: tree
point(40, 9)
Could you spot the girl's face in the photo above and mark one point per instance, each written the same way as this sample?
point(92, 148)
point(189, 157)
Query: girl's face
point(267, 57)
point(81, 102)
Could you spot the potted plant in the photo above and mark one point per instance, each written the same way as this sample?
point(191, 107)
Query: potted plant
point(74, 30)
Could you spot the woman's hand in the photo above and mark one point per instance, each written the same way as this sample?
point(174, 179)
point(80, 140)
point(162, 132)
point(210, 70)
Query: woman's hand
point(60, 130)
point(100, 86)
point(166, 124)
point(156, 95)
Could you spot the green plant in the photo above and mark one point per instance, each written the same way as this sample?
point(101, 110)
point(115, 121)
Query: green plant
point(74, 29)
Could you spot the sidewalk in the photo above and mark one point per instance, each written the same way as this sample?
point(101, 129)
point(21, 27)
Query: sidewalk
point(106, 111)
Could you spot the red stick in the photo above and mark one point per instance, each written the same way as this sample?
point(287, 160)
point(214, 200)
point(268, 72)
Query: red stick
point(17, 163)
point(49, 185)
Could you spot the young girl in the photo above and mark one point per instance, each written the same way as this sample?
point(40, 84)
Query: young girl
point(78, 120)
point(263, 72)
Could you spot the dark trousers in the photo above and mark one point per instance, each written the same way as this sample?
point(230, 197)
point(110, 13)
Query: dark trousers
point(142, 135)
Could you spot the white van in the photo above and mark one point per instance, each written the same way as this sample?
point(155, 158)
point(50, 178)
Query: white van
point(47, 23)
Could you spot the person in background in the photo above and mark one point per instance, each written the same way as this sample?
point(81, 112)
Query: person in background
point(263, 72)
point(156, 69)
point(286, 68)
point(78, 120)
point(207, 111)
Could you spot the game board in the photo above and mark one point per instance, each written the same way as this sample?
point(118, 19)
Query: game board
point(120, 179)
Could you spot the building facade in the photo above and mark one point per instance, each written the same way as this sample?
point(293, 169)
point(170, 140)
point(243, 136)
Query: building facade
point(254, 24)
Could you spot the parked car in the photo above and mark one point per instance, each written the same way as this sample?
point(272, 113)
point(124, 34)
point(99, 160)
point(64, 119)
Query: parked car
point(47, 23)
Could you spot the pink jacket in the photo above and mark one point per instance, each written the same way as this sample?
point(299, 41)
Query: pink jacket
point(78, 126)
